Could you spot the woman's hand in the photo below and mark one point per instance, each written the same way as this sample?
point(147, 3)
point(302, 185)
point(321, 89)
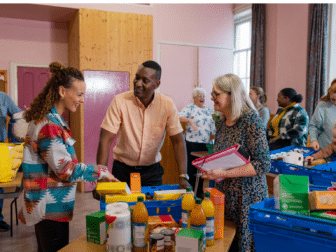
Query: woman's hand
point(214, 174)
point(193, 125)
point(309, 158)
point(110, 178)
point(315, 145)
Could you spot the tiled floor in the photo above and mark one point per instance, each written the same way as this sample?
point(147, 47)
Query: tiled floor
point(24, 236)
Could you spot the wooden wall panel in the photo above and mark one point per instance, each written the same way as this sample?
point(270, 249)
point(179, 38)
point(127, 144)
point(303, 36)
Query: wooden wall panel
point(106, 41)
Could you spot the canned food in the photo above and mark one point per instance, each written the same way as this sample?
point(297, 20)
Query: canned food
point(156, 243)
point(169, 240)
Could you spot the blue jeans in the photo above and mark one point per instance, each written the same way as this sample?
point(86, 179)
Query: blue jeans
point(1, 204)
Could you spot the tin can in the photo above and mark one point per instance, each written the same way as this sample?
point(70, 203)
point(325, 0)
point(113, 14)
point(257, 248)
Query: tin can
point(156, 243)
point(169, 240)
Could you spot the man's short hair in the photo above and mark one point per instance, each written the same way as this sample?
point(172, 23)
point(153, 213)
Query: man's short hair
point(152, 64)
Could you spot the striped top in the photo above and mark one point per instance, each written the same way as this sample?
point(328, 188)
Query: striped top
point(322, 123)
point(51, 170)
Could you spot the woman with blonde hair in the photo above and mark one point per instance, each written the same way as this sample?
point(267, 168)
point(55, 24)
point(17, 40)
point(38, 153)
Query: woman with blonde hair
point(259, 99)
point(50, 166)
point(322, 122)
point(244, 185)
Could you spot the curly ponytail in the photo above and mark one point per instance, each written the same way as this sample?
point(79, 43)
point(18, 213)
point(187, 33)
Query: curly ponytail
point(61, 76)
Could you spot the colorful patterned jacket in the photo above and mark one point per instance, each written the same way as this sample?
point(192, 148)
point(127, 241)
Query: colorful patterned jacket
point(293, 125)
point(51, 170)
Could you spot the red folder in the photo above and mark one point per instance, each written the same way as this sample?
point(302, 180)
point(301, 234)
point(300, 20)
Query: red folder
point(226, 159)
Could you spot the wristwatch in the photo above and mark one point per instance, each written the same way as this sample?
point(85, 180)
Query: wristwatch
point(185, 176)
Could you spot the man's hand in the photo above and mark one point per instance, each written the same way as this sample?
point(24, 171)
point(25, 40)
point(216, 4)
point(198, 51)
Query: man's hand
point(309, 158)
point(184, 183)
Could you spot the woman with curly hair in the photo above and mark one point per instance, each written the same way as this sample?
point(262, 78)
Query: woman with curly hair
point(50, 165)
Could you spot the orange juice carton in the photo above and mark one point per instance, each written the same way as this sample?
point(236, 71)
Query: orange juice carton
point(104, 188)
point(169, 194)
point(164, 221)
point(291, 193)
point(96, 227)
point(135, 183)
point(218, 199)
point(322, 200)
point(189, 240)
point(133, 197)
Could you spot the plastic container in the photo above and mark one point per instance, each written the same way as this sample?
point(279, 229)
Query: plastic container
point(188, 202)
point(140, 227)
point(198, 220)
point(278, 231)
point(209, 211)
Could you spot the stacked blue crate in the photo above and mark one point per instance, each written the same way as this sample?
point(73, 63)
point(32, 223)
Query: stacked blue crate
point(282, 232)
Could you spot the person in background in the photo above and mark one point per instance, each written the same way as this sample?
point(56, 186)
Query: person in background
point(259, 99)
point(322, 122)
point(327, 151)
point(199, 129)
point(7, 108)
point(140, 118)
point(290, 123)
point(244, 185)
point(50, 166)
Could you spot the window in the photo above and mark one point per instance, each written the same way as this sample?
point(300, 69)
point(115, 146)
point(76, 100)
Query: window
point(242, 46)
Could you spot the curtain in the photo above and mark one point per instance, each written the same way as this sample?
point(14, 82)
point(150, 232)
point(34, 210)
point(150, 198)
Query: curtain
point(317, 55)
point(257, 76)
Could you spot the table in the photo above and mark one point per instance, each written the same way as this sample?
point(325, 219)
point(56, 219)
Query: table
point(16, 183)
point(81, 245)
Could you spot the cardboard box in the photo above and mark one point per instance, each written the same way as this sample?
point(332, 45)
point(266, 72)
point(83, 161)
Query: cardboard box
point(166, 221)
point(189, 240)
point(169, 194)
point(291, 193)
point(96, 227)
point(330, 215)
point(104, 188)
point(133, 197)
point(135, 183)
point(218, 199)
point(322, 200)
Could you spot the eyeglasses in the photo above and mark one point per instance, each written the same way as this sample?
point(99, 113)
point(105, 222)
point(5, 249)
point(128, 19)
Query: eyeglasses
point(215, 94)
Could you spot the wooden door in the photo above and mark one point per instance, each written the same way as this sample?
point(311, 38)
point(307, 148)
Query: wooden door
point(101, 88)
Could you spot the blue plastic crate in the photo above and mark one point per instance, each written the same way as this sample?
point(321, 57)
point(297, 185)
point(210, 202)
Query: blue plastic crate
point(318, 188)
point(275, 239)
point(276, 165)
point(264, 213)
point(158, 207)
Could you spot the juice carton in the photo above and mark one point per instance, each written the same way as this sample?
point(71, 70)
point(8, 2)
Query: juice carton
point(135, 183)
point(166, 221)
point(96, 227)
point(189, 240)
point(218, 199)
point(291, 193)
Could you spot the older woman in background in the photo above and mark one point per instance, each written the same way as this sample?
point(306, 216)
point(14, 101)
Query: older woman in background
point(200, 127)
point(290, 123)
point(243, 185)
point(259, 99)
point(322, 122)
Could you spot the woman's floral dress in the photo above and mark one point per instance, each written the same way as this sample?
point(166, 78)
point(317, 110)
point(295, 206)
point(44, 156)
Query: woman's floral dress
point(242, 192)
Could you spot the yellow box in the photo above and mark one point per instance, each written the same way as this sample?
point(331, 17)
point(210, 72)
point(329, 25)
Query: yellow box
point(322, 200)
point(133, 197)
point(169, 194)
point(104, 188)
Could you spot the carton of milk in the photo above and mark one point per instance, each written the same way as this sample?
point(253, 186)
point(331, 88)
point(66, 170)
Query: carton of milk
point(291, 193)
point(96, 227)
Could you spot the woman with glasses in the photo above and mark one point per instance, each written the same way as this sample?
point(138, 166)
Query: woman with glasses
point(199, 129)
point(244, 185)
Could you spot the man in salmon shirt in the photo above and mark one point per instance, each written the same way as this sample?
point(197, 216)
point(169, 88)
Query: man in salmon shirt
point(141, 118)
